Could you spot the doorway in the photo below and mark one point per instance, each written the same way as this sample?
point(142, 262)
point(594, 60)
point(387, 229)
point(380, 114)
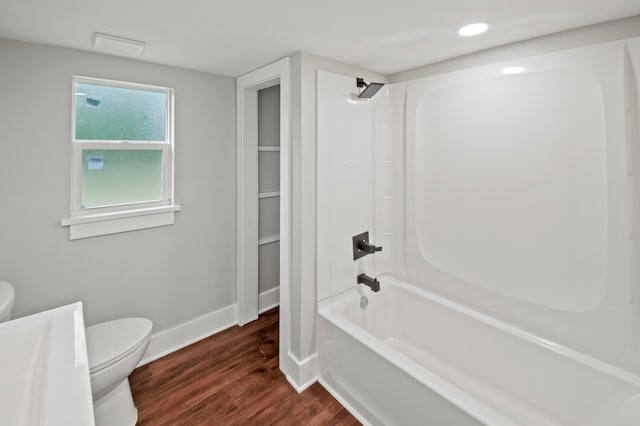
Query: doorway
point(249, 195)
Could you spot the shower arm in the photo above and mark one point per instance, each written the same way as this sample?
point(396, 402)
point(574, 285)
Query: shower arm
point(360, 82)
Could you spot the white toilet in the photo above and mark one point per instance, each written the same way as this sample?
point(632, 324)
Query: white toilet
point(7, 299)
point(115, 348)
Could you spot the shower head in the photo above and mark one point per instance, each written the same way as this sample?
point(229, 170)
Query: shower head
point(370, 89)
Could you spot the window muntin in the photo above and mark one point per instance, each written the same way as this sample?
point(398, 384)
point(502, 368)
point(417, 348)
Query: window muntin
point(122, 146)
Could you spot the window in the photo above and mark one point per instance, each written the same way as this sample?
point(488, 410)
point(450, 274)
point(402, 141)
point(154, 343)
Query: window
point(121, 157)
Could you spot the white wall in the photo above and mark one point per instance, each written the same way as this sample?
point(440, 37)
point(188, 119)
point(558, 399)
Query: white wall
point(170, 274)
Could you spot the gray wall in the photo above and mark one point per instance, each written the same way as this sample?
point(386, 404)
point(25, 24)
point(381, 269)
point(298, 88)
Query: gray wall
point(269, 116)
point(269, 175)
point(169, 274)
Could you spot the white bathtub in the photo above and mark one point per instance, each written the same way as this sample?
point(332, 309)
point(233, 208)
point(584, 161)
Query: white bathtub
point(414, 358)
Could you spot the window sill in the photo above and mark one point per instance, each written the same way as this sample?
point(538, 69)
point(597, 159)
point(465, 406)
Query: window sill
point(92, 225)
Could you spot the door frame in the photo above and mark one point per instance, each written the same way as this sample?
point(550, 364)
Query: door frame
point(247, 87)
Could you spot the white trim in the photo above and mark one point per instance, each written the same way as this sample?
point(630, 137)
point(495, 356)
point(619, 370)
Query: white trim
point(93, 225)
point(99, 217)
point(247, 202)
point(118, 83)
point(269, 148)
point(306, 373)
point(247, 198)
point(175, 338)
point(116, 226)
point(85, 222)
point(187, 333)
point(268, 240)
point(247, 87)
point(300, 388)
point(268, 299)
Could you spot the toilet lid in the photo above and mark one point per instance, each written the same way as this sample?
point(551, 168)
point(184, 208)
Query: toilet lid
point(110, 341)
point(7, 298)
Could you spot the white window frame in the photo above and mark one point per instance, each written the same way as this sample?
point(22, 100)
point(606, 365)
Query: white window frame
point(86, 222)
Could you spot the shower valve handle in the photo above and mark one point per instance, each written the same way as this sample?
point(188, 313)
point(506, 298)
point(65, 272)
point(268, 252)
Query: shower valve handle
point(362, 246)
point(368, 247)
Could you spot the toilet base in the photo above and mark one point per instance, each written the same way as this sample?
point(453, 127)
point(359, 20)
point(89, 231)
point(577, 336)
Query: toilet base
point(116, 408)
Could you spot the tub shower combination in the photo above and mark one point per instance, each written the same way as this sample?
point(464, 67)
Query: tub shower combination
point(508, 207)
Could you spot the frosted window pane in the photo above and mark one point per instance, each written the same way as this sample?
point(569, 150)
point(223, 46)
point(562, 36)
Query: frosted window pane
point(116, 113)
point(111, 177)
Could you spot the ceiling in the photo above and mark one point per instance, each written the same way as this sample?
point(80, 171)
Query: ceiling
point(232, 37)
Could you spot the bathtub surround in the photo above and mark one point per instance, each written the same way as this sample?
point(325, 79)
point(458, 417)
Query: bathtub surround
point(514, 197)
point(326, 269)
point(347, 173)
point(568, 155)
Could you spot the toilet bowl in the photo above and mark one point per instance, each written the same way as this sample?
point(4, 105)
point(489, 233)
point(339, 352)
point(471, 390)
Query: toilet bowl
point(115, 348)
point(7, 299)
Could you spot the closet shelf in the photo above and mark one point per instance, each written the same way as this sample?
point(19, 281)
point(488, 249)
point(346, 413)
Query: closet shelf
point(269, 194)
point(269, 240)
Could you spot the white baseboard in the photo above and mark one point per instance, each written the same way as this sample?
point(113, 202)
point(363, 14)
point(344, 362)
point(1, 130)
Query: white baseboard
point(299, 388)
point(175, 338)
point(305, 374)
point(268, 299)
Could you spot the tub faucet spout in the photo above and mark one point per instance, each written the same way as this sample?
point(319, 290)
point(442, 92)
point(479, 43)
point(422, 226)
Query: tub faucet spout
point(370, 282)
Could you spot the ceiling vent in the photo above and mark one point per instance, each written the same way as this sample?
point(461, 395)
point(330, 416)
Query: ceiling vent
point(117, 45)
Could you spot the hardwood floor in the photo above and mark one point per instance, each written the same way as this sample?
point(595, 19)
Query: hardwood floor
point(231, 378)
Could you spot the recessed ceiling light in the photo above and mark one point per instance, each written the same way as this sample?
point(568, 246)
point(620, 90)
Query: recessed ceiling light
point(117, 45)
point(473, 29)
point(512, 70)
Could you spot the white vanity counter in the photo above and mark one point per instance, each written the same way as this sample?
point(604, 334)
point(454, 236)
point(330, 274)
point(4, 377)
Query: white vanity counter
point(44, 372)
